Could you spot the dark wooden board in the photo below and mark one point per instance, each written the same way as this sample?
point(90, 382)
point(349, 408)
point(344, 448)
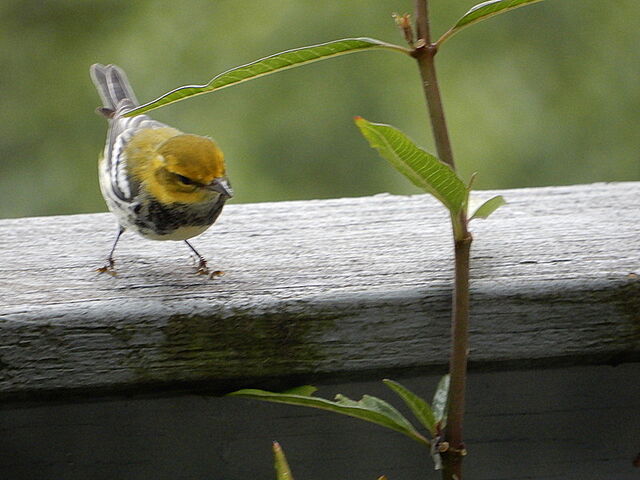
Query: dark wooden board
point(570, 423)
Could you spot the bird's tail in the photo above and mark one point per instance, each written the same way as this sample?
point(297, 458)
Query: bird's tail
point(113, 87)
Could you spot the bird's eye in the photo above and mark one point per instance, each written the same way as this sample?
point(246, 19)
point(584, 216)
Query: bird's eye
point(184, 180)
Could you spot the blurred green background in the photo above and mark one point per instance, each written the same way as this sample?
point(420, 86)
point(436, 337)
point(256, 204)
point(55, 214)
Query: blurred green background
point(546, 95)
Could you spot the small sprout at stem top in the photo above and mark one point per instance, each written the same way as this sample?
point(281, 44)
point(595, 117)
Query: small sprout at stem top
point(404, 22)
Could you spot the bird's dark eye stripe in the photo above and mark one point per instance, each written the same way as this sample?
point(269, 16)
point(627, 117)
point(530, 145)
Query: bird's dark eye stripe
point(185, 180)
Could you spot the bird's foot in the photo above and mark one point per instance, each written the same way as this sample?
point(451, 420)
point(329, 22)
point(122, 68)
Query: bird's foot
point(108, 268)
point(202, 269)
point(216, 273)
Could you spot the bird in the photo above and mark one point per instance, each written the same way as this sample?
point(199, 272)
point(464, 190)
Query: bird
point(159, 182)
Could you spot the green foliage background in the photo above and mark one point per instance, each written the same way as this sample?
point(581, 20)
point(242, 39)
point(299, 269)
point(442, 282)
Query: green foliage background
point(548, 94)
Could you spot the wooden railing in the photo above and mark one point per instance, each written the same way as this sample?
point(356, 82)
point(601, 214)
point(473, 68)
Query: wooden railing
point(116, 377)
point(337, 288)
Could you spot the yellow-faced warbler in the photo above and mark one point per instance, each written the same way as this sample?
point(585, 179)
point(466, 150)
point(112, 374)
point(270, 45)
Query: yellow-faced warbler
point(159, 182)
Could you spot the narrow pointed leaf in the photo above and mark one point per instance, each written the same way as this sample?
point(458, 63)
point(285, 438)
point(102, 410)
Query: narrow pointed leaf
point(420, 167)
point(283, 472)
point(377, 405)
point(440, 401)
point(482, 11)
point(488, 207)
point(369, 408)
point(420, 408)
point(271, 64)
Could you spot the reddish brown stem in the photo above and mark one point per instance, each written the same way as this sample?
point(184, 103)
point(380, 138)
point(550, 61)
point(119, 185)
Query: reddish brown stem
point(424, 52)
point(452, 459)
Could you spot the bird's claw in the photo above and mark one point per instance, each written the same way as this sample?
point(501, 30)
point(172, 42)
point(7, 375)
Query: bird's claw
point(202, 267)
point(216, 273)
point(108, 268)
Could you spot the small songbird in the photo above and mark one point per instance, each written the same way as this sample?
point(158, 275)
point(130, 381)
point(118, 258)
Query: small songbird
point(159, 182)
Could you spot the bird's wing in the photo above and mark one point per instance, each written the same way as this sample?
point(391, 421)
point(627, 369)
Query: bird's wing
point(121, 130)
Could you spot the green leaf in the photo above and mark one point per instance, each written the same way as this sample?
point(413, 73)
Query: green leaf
point(271, 64)
point(304, 390)
point(488, 207)
point(483, 11)
point(283, 472)
point(420, 408)
point(369, 408)
point(440, 401)
point(420, 167)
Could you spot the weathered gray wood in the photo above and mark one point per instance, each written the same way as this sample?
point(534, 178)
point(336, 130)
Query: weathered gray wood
point(317, 287)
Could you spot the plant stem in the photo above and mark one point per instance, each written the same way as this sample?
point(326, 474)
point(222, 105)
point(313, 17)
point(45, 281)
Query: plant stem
point(424, 52)
point(452, 459)
point(422, 21)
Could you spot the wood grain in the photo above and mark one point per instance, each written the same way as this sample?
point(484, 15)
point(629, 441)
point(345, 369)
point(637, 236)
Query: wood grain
point(328, 287)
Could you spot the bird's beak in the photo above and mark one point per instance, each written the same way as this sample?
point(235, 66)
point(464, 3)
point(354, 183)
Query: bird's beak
point(222, 186)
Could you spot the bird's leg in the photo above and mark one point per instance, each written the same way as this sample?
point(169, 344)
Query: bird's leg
point(108, 267)
point(202, 263)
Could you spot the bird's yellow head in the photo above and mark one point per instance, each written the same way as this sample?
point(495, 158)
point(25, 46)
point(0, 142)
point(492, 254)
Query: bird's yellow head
point(188, 169)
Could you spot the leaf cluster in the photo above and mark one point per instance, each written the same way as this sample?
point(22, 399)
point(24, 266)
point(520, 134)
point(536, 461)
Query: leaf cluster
point(369, 408)
point(420, 167)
